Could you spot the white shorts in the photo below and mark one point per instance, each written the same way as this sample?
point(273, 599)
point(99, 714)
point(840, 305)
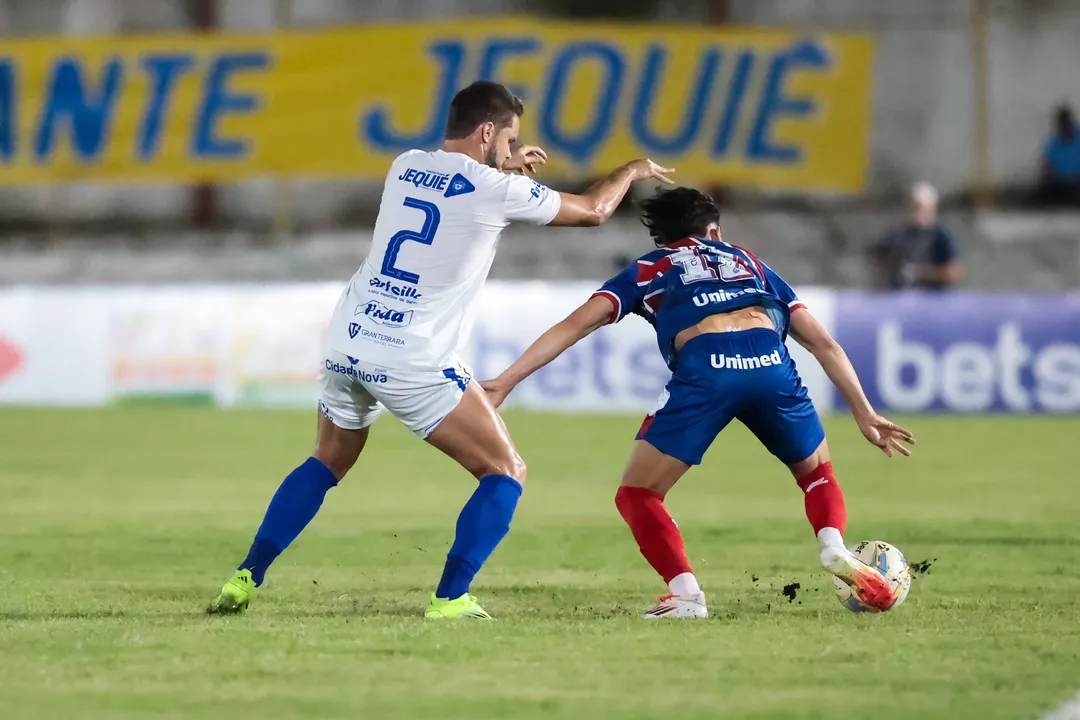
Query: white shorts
point(354, 393)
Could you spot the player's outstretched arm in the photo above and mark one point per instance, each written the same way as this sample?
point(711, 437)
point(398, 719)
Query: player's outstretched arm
point(599, 202)
point(586, 319)
point(880, 431)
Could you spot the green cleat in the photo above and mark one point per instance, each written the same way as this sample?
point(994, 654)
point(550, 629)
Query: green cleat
point(464, 607)
point(235, 595)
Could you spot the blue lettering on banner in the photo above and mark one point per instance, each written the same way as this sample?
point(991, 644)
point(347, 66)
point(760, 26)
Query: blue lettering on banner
point(740, 81)
point(582, 145)
point(751, 99)
point(602, 368)
point(1011, 353)
point(775, 105)
point(649, 89)
point(8, 110)
point(163, 73)
point(497, 49)
point(376, 125)
point(218, 102)
point(71, 104)
point(561, 379)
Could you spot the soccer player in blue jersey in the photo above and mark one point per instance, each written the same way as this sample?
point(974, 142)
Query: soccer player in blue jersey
point(721, 317)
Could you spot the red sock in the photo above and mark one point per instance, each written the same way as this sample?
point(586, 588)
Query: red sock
point(657, 535)
point(824, 499)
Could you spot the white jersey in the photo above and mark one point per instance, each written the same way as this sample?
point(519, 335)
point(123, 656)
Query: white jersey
point(411, 303)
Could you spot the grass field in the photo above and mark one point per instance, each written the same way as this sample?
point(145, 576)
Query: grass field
point(117, 527)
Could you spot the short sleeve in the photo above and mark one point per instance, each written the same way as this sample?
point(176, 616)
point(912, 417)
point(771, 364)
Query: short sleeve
point(623, 291)
point(779, 287)
point(530, 201)
point(945, 248)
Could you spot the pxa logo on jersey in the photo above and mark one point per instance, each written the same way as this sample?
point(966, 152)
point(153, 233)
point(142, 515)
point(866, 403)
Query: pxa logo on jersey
point(382, 315)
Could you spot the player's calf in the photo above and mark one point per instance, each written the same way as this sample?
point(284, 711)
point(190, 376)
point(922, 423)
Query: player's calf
point(475, 436)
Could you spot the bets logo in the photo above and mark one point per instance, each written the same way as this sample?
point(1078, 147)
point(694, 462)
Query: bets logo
point(10, 358)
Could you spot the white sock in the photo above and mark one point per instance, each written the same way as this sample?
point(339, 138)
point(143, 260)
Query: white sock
point(830, 538)
point(684, 585)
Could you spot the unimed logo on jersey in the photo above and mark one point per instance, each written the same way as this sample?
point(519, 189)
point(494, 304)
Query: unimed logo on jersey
point(738, 362)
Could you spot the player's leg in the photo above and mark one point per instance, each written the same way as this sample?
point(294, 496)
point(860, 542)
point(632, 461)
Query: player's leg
point(346, 412)
point(669, 443)
point(785, 420)
point(828, 517)
point(475, 436)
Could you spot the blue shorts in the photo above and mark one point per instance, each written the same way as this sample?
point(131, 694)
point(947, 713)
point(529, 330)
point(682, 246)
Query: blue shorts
point(746, 376)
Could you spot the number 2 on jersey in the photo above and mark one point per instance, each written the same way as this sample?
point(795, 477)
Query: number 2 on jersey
point(425, 236)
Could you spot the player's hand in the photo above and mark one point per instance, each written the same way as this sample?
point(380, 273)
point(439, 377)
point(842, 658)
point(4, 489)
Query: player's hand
point(524, 159)
point(496, 391)
point(885, 434)
point(646, 169)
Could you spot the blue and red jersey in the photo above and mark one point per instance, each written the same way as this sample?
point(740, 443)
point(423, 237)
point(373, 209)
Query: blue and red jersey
point(678, 286)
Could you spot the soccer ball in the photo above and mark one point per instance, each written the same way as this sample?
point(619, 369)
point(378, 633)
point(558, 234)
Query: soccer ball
point(888, 561)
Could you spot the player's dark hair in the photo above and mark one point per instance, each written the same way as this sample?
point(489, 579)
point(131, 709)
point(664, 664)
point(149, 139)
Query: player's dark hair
point(671, 215)
point(481, 102)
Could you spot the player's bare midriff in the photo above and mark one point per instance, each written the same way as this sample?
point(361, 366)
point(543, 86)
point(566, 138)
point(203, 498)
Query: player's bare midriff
point(746, 318)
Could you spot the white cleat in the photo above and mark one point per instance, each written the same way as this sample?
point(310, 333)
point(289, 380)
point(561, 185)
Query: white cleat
point(679, 606)
point(868, 584)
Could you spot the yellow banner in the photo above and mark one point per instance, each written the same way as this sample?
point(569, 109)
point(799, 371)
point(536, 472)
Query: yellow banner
point(759, 108)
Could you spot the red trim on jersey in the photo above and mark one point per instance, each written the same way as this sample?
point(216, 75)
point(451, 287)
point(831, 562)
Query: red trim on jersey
point(796, 305)
point(653, 300)
point(645, 426)
point(753, 258)
point(615, 302)
point(647, 272)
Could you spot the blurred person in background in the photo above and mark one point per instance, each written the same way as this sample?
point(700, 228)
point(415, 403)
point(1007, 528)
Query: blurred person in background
point(1059, 185)
point(921, 253)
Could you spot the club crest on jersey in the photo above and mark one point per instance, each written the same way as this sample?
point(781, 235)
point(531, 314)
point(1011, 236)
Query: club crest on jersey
point(459, 185)
point(426, 179)
point(401, 291)
point(383, 315)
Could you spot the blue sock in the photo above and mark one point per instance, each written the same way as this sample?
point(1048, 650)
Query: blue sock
point(481, 526)
point(293, 506)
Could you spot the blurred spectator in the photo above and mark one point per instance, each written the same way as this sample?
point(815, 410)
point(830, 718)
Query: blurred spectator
point(1060, 182)
point(921, 253)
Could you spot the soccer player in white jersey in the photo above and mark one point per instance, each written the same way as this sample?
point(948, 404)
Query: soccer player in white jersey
point(393, 338)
